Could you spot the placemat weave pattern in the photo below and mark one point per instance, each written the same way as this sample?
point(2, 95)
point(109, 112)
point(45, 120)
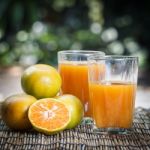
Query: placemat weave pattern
point(80, 138)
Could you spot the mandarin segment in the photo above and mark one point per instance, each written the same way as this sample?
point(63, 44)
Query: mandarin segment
point(46, 115)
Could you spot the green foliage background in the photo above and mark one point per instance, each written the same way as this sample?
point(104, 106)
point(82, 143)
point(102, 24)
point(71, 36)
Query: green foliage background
point(33, 31)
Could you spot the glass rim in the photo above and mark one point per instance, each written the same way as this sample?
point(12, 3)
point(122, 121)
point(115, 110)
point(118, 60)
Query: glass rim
point(80, 52)
point(112, 57)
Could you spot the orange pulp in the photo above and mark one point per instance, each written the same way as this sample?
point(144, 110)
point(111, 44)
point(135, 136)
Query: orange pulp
point(46, 115)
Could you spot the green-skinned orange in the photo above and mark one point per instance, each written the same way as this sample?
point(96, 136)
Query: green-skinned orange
point(75, 107)
point(14, 111)
point(41, 81)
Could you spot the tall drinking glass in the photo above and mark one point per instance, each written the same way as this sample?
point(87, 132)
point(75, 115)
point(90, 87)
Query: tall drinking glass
point(72, 65)
point(112, 88)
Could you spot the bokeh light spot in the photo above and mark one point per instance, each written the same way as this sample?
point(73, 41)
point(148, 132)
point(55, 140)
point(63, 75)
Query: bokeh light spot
point(96, 28)
point(109, 35)
point(22, 36)
point(116, 48)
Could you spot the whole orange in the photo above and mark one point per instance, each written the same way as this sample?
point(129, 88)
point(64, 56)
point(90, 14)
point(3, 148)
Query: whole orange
point(15, 111)
point(41, 81)
point(75, 107)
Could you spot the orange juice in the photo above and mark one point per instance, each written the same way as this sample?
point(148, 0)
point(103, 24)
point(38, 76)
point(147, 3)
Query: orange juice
point(112, 104)
point(75, 81)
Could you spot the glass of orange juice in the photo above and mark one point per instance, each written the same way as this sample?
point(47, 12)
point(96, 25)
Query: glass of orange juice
point(72, 65)
point(112, 89)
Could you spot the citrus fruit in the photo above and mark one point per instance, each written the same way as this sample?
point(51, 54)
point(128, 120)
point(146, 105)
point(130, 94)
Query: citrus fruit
point(49, 115)
point(14, 111)
point(75, 107)
point(41, 81)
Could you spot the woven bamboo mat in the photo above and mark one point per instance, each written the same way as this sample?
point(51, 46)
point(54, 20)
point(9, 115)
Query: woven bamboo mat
point(80, 138)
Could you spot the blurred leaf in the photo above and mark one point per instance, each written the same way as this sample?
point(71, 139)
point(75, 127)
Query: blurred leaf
point(46, 37)
point(61, 4)
point(7, 59)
